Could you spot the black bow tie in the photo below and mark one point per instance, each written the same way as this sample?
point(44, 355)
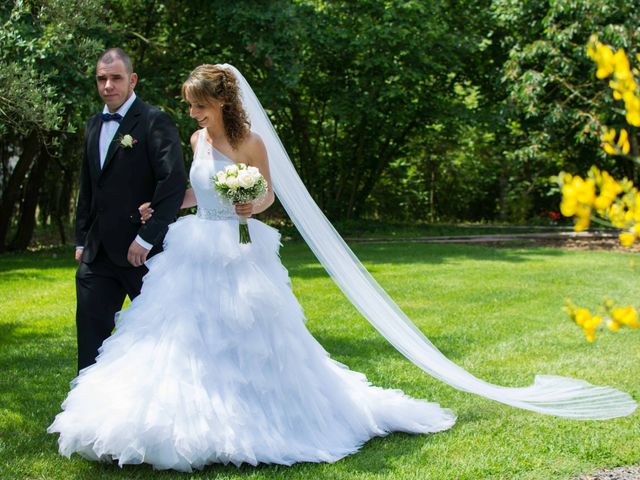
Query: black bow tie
point(108, 117)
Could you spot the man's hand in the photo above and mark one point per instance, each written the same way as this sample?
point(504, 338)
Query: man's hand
point(137, 254)
point(78, 254)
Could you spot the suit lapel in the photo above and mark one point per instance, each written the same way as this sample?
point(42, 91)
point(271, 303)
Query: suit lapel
point(128, 123)
point(93, 144)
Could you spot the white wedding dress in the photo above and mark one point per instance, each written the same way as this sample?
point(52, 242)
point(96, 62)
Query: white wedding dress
point(212, 362)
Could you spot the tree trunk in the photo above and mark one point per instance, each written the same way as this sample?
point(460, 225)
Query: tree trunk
point(504, 186)
point(11, 194)
point(29, 203)
point(432, 191)
point(61, 212)
point(60, 223)
point(300, 127)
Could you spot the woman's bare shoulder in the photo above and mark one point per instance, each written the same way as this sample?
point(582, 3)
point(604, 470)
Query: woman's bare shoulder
point(253, 146)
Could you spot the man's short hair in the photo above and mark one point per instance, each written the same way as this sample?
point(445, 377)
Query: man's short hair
point(110, 55)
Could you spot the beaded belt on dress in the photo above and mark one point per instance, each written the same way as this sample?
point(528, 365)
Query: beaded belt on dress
point(215, 213)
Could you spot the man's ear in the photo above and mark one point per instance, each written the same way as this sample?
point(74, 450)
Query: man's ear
point(133, 80)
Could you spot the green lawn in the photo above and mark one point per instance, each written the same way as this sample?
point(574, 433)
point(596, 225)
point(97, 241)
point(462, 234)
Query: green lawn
point(496, 312)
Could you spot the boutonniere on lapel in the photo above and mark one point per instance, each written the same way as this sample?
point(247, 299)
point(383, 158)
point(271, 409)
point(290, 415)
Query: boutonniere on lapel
point(127, 141)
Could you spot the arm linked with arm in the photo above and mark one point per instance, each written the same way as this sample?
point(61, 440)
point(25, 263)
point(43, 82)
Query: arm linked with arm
point(168, 168)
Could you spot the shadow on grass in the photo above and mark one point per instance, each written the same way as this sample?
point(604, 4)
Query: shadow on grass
point(376, 349)
point(54, 257)
point(378, 456)
point(299, 259)
point(7, 331)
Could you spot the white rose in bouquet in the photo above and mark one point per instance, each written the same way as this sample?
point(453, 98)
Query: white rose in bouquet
point(232, 182)
point(245, 179)
point(240, 184)
point(221, 177)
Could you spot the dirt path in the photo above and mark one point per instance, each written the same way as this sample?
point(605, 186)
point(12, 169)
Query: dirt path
point(620, 473)
point(567, 240)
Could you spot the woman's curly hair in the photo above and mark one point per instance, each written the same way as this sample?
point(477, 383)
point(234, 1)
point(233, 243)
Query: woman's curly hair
point(208, 84)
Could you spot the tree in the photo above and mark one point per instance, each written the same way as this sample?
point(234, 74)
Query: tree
point(555, 106)
point(47, 52)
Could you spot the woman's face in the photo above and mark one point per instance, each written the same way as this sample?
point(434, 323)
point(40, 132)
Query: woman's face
point(206, 114)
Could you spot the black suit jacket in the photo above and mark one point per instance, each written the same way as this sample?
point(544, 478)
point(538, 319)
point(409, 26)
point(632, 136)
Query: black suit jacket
point(151, 170)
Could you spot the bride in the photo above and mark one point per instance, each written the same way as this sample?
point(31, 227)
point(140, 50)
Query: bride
point(212, 362)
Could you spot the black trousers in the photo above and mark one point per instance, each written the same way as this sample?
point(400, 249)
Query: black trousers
point(101, 288)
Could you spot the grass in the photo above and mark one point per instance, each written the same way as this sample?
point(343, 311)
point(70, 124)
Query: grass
point(496, 312)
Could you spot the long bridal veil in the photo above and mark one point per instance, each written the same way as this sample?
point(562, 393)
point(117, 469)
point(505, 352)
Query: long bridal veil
point(552, 395)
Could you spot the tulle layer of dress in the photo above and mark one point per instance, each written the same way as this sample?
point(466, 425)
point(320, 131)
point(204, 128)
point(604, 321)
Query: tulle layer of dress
point(213, 363)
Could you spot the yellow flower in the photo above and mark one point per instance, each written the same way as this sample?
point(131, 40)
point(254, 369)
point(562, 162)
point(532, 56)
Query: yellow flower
point(616, 215)
point(610, 149)
point(581, 316)
point(633, 118)
point(609, 190)
point(608, 183)
point(593, 322)
point(623, 84)
point(608, 139)
point(611, 146)
point(568, 207)
point(632, 106)
point(621, 66)
point(628, 94)
point(613, 325)
point(590, 323)
point(603, 56)
point(609, 136)
point(627, 239)
point(623, 141)
point(586, 191)
point(578, 196)
point(582, 224)
point(589, 327)
point(626, 316)
point(602, 202)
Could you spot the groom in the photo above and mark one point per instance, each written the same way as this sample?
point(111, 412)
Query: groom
point(132, 155)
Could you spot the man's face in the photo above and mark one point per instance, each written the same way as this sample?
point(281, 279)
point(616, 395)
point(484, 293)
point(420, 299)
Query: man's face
point(115, 85)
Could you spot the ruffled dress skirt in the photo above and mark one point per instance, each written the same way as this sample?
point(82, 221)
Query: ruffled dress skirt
point(212, 363)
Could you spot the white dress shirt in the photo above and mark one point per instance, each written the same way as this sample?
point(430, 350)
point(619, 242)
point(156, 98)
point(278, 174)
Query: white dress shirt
point(109, 129)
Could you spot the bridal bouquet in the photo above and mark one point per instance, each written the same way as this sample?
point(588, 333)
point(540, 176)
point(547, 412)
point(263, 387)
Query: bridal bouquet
point(241, 184)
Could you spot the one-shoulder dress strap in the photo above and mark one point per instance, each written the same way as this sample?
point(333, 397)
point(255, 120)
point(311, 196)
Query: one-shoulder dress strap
point(199, 143)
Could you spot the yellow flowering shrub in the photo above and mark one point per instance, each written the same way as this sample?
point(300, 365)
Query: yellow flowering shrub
point(617, 317)
point(624, 86)
point(599, 197)
point(602, 199)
